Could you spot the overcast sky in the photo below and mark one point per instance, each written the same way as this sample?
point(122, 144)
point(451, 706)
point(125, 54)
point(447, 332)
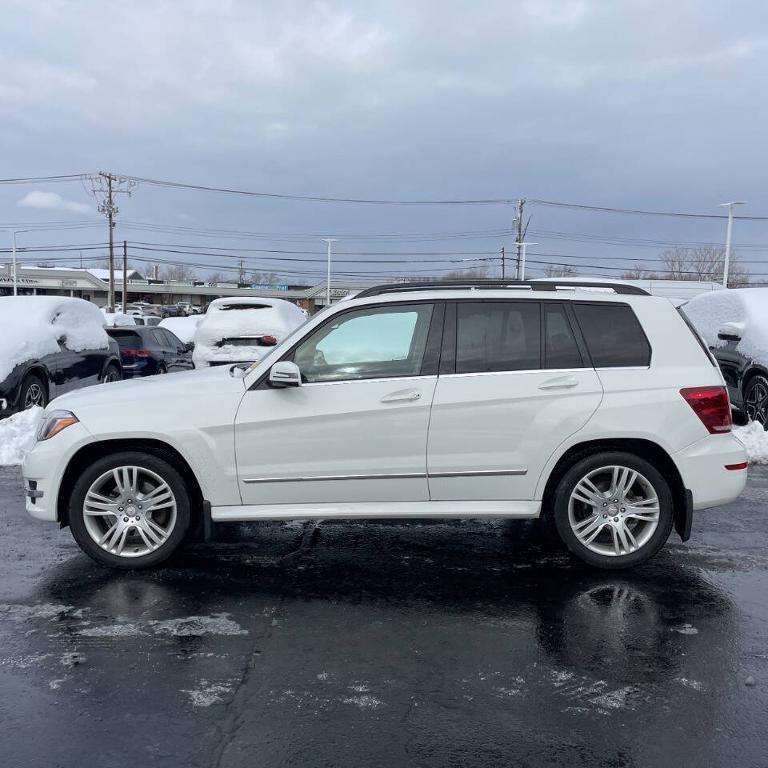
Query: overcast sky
point(629, 103)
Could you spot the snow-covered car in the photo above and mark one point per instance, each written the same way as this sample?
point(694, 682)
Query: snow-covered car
point(734, 324)
point(51, 345)
point(182, 327)
point(146, 319)
point(243, 330)
point(117, 319)
point(599, 412)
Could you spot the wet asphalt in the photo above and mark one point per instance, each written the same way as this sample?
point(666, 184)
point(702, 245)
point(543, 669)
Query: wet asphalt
point(386, 644)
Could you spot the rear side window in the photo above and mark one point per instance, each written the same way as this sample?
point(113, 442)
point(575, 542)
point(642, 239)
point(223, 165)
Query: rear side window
point(159, 338)
point(613, 335)
point(560, 347)
point(498, 336)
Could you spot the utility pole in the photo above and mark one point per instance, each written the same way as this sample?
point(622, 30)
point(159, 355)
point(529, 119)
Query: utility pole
point(241, 275)
point(521, 267)
point(125, 277)
point(520, 234)
point(105, 186)
point(330, 241)
point(503, 264)
point(728, 230)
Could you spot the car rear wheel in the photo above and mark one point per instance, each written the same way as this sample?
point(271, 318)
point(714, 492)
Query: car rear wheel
point(111, 374)
point(613, 510)
point(33, 392)
point(756, 400)
point(130, 510)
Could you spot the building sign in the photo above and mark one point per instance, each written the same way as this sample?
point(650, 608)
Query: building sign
point(69, 283)
point(19, 280)
point(268, 287)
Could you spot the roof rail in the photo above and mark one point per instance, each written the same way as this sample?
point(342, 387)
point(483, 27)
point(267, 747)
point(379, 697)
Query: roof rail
point(486, 284)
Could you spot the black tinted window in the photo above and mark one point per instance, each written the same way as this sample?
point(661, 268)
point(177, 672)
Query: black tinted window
point(127, 339)
point(498, 336)
point(158, 337)
point(560, 347)
point(613, 335)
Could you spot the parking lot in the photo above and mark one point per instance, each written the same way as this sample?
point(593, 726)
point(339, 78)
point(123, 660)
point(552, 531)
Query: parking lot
point(405, 643)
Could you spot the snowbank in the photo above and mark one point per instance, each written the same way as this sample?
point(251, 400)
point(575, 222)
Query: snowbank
point(755, 440)
point(182, 327)
point(242, 318)
point(17, 435)
point(746, 307)
point(32, 325)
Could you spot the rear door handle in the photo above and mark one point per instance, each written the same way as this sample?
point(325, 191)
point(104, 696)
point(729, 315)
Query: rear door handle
point(561, 382)
point(402, 396)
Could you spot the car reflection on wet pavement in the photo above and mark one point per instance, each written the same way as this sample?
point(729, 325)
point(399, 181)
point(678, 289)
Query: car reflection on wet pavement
point(386, 644)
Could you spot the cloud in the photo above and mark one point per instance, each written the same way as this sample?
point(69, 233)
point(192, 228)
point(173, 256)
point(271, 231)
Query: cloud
point(52, 201)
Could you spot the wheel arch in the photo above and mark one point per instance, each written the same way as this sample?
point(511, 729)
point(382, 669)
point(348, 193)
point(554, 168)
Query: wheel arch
point(645, 449)
point(98, 450)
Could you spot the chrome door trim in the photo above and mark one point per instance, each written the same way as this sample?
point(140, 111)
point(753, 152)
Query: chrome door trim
point(381, 476)
point(385, 476)
point(481, 473)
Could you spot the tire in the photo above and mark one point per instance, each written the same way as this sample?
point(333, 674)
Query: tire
point(161, 369)
point(596, 526)
point(111, 374)
point(33, 392)
point(140, 540)
point(756, 400)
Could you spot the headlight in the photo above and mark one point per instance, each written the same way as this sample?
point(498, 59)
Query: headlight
point(54, 422)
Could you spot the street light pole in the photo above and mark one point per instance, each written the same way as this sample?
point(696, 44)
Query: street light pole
point(524, 245)
point(728, 230)
point(330, 241)
point(15, 279)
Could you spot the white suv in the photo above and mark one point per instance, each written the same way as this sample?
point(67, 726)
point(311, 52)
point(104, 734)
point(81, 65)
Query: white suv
point(592, 406)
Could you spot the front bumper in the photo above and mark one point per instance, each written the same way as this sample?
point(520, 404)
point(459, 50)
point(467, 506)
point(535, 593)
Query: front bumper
point(44, 467)
point(703, 470)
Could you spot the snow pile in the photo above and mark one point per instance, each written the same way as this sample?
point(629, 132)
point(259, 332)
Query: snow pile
point(241, 318)
point(747, 308)
point(755, 440)
point(117, 320)
point(17, 435)
point(33, 325)
point(182, 327)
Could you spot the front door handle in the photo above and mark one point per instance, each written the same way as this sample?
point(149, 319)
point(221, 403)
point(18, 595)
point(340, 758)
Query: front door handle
point(402, 396)
point(561, 382)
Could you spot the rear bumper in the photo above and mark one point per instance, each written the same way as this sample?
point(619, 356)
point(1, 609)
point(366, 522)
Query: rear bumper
point(703, 470)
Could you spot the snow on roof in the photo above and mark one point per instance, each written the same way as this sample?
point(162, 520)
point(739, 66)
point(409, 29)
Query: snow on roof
point(746, 307)
point(33, 325)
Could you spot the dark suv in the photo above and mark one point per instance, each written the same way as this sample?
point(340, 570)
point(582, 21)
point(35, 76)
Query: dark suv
point(145, 351)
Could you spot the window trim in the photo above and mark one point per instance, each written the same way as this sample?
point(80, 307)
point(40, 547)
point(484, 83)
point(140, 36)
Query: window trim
point(432, 350)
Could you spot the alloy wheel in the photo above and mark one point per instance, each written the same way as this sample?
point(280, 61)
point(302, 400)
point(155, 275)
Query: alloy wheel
point(34, 395)
point(756, 401)
point(129, 511)
point(613, 511)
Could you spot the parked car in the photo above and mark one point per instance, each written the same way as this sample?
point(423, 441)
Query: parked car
point(145, 351)
point(734, 324)
point(183, 327)
point(600, 412)
point(242, 330)
point(146, 320)
point(51, 345)
point(187, 308)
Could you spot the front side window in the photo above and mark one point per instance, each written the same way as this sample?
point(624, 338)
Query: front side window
point(367, 344)
point(498, 336)
point(613, 335)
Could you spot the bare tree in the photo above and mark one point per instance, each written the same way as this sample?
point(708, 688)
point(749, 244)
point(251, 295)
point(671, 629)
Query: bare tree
point(180, 272)
point(265, 278)
point(466, 274)
point(639, 272)
point(216, 277)
point(559, 270)
point(703, 263)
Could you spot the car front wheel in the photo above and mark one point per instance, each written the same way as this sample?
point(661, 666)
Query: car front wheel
point(33, 392)
point(613, 510)
point(129, 510)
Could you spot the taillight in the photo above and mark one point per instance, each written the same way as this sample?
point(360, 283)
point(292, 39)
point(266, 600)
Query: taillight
point(129, 352)
point(711, 405)
point(267, 341)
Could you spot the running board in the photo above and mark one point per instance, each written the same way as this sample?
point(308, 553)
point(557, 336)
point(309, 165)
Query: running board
point(377, 510)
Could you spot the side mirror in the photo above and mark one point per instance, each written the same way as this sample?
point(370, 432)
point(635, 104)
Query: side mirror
point(730, 332)
point(284, 374)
